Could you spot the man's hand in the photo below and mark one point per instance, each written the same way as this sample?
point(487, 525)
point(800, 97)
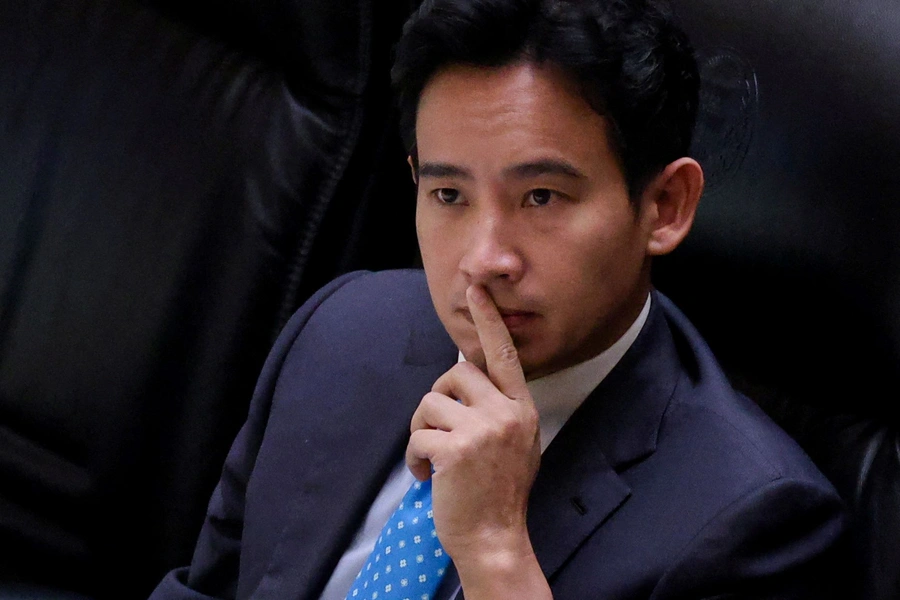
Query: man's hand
point(479, 431)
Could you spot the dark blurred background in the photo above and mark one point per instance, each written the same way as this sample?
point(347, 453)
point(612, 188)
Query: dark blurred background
point(176, 178)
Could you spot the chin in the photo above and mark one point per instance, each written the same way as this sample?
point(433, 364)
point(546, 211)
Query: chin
point(534, 370)
point(467, 343)
point(534, 364)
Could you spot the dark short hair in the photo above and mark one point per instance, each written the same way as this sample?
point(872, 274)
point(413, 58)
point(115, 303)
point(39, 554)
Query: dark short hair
point(632, 62)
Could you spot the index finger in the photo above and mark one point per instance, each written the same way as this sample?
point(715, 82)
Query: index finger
point(500, 354)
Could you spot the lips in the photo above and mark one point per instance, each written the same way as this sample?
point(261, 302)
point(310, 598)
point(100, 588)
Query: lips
point(513, 319)
point(517, 320)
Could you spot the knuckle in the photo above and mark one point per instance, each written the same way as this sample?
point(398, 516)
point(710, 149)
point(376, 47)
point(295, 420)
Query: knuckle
point(505, 426)
point(531, 419)
point(441, 381)
point(465, 368)
point(415, 423)
point(456, 373)
point(509, 429)
point(458, 447)
point(429, 401)
point(507, 353)
point(415, 439)
point(515, 424)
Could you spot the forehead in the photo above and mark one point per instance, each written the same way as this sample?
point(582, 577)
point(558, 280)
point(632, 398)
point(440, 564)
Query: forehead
point(521, 108)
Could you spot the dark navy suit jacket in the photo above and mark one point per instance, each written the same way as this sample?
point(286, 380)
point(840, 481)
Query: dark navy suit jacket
point(664, 484)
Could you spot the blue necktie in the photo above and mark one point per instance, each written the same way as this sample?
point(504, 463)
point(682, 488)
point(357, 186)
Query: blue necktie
point(408, 561)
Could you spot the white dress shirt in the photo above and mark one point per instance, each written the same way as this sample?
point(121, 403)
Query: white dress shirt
point(556, 397)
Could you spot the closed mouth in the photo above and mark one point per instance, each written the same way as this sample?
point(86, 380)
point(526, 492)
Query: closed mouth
point(512, 318)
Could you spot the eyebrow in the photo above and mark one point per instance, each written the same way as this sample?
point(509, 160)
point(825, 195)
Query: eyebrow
point(545, 167)
point(443, 170)
point(526, 170)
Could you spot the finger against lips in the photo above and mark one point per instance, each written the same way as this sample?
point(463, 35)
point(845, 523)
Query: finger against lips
point(503, 366)
point(437, 411)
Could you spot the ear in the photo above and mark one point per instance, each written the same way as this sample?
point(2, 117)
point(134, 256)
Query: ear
point(670, 203)
point(412, 169)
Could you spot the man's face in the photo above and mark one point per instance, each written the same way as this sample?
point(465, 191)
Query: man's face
point(519, 191)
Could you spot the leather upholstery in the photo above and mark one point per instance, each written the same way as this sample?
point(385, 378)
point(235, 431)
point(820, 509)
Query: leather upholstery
point(174, 181)
point(175, 178)
point(792, 271)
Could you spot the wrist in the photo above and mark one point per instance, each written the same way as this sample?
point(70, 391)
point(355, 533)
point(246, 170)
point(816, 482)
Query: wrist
point(502, 567)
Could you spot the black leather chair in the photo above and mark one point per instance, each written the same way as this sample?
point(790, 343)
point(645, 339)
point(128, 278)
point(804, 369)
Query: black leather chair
point(792, 271)
point(175, 179)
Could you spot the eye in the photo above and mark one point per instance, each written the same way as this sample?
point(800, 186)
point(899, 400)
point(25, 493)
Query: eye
point(539, 197)
point(446, 195)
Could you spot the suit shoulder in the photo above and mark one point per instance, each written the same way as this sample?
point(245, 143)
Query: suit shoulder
point(395, 294)
point(738, 431)
point(366, 300)
point(367, 314)
point(730, 425)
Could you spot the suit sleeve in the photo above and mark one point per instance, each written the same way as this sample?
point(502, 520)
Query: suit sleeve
point(785, 541)
point(213, 572)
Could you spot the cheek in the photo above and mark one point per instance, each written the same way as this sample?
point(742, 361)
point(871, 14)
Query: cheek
point(439, 259)
point(581, 250)
point(591, 265)
point(429, 236)
point(439, 262)
point(442, 241)
point(609, 242)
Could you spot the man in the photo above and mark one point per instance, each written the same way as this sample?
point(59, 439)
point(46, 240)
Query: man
point(548, 142)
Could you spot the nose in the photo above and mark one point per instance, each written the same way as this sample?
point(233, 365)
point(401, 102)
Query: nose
point(492, 252)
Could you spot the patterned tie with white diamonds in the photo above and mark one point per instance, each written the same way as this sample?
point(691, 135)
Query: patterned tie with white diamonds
point(408, 561)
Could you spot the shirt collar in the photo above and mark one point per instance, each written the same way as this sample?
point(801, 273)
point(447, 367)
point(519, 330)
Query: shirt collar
point(559, 394)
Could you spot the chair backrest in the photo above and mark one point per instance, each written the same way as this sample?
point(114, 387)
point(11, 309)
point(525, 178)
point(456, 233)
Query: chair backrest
point(792, 271)
point(175, 179)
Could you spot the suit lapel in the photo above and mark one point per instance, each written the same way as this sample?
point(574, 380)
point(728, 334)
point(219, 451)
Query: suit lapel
point(347, 455)
point(572, 496)
point(578, 486)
